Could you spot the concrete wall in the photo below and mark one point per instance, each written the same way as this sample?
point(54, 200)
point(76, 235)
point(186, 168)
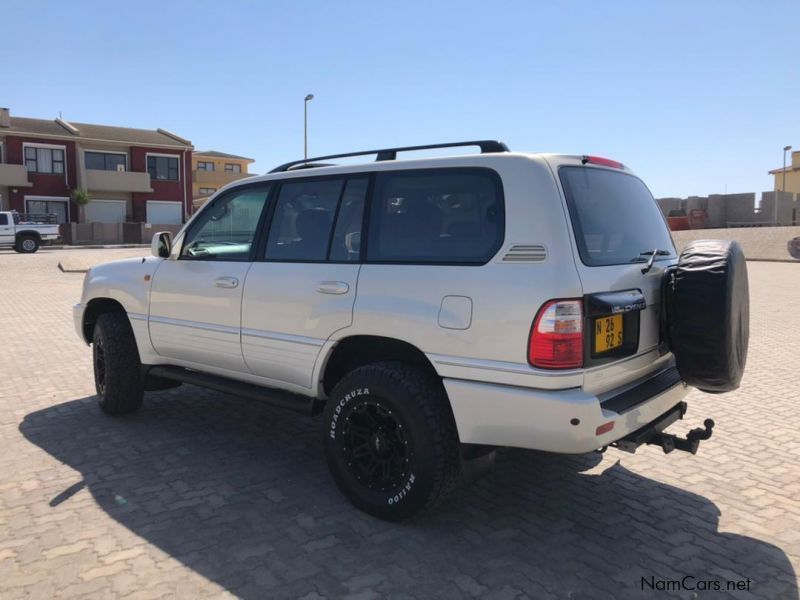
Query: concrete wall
point(765, 243)
point(739, 210)
point(80, 234)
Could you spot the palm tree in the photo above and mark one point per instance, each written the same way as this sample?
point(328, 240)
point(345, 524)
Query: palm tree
point(81, 197)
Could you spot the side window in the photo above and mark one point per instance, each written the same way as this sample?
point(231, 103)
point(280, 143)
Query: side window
point(436, 216)
point(303, 219)
point(346, 244)
point(226, 229)
point(3, 219)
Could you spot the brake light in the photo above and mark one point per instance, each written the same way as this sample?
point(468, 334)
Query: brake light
point(556, 340)
point(603, 162)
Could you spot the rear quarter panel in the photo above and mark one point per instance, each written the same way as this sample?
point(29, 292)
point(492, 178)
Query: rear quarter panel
point(404, 301)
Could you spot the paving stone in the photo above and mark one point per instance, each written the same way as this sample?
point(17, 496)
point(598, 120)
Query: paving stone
point(203, 495)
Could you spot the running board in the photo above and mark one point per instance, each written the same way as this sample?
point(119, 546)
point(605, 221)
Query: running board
point(281, 398)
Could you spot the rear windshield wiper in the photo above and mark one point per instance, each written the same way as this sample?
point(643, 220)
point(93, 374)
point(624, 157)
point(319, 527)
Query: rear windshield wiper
point(652, 254)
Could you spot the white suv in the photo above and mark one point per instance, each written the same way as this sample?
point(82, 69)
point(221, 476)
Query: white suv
point(433, 309)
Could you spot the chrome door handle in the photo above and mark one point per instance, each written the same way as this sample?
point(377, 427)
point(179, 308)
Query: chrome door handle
point(333, 287)
point(226, 282)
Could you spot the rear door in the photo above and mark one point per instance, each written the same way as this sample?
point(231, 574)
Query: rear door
point(302, 287)
point(617, 228)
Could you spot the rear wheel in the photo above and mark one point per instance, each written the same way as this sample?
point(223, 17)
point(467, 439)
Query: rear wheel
point(27, 244)
point(390, 440)
point(117, 369)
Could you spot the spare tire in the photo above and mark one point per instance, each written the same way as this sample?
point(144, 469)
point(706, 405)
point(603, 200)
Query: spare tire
point(707, 307)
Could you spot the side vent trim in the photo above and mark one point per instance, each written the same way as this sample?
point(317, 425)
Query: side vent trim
point(525, 253)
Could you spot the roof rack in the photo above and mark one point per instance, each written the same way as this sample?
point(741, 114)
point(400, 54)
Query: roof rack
point(486, 146)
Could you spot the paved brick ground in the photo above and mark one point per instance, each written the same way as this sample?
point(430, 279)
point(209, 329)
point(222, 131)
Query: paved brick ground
point(204, 495)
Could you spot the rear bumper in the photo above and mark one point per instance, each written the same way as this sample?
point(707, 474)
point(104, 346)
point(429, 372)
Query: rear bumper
point(562, 421)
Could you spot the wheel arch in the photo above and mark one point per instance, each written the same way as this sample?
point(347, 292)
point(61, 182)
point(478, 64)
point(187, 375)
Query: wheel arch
point(95, 308)
point(358, 350)
point(29, 232)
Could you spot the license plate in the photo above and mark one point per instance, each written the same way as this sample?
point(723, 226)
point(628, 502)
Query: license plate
point(607, 333)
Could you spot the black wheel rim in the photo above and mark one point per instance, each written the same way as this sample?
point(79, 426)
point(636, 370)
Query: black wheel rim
point(100, 367)
point(376, 447)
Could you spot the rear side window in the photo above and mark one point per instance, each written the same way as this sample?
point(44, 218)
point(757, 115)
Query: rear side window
point(615, 218)
point(451, 216)
point(303, 220)
point(346, 243)
point(3, 219)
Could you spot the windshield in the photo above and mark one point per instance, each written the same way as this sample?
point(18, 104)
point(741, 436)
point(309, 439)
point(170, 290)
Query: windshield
point(615, 218)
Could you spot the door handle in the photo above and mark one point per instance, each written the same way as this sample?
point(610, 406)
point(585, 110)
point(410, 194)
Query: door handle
point(226, 282)
point(333, 287)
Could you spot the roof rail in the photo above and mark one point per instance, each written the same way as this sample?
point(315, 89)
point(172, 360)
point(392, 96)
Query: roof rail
point(486, 146)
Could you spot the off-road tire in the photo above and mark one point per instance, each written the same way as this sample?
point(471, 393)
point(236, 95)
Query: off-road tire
point(117, 368)
point(707, 313)
point(417, 402)
point(27, 244)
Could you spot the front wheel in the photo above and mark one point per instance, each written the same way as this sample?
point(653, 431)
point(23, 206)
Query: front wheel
point(391, 441)
point(27, 244)
point(117, 369)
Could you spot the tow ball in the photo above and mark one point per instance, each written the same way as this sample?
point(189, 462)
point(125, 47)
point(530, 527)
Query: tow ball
point(690, 443)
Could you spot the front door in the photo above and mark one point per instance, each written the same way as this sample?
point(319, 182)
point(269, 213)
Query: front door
point(196, 298)
point(6, 229)
point(303, 288)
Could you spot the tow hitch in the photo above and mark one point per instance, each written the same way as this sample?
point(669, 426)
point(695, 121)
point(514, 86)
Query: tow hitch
point(690, 443)
point(653, 434)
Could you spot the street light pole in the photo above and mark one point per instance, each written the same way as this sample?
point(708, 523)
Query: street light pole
point(785, 150)
point(308, 98)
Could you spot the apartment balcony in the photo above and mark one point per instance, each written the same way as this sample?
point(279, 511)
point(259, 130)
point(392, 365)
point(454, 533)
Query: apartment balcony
point(14, 176)
point(117, 181)
point(216, 179)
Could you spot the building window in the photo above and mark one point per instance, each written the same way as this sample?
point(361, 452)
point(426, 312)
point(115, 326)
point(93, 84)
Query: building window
point(232, 168)
point(163, 168)
point(44, 160)
point(1, 153)
point(205, 166)
point(105, 161)
point(207, 191)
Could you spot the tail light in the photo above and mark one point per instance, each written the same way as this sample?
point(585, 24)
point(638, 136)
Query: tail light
point(556, 340)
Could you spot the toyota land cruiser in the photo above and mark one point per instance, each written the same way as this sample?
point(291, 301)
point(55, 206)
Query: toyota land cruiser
point(431, 309)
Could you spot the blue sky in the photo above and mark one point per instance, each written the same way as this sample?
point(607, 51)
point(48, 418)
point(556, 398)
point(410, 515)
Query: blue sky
point(695, 96)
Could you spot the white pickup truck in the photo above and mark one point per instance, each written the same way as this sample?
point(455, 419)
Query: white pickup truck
point(25, 233)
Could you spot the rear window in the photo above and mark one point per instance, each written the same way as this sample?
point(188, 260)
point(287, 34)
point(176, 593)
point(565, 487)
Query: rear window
point(444, 216)
point(615, 218)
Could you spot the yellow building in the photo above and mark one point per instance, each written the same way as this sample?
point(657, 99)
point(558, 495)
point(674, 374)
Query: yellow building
point(792, 175)
point(211, 170)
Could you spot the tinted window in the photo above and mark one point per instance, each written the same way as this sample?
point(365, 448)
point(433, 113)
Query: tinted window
point(346, 244)
point(303, 219)
point(162, 167)
point(436, 216)
point(102, 161)
point(614, 216)
point(225, 230)
point(3, 219)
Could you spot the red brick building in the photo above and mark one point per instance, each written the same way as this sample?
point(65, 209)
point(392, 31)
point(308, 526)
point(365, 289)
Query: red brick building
point(131, 174)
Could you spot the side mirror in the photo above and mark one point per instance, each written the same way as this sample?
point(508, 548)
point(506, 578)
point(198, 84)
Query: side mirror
point(161, 245)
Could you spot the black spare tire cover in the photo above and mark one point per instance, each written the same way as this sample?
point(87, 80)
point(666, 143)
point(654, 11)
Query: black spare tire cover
point(708, 315)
